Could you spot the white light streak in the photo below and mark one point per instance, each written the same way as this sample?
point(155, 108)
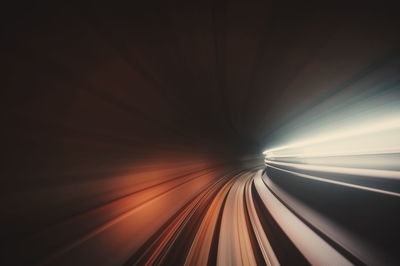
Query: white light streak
point(379, 137)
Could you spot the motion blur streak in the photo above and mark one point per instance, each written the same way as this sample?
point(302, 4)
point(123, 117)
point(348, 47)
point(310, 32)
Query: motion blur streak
point(375, 138)
point(134, 131)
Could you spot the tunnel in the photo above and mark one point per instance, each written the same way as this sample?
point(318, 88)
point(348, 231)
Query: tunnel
point(224, 132)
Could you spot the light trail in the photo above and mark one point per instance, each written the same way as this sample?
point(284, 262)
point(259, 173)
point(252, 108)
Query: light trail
point(133, 133)
point(234, 246)
point(338, 182)
point(263, 242)
point(314, 248)
point(371, 137)
point(395, 175)
point(240, 218)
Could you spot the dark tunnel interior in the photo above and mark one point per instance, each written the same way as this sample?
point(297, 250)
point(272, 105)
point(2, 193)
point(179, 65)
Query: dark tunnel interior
point(134, 132)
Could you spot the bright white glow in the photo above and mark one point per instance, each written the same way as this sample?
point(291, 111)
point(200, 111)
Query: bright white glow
point(341, 170)
point(379, 137)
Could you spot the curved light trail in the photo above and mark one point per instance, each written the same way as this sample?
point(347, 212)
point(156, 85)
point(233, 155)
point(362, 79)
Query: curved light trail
point(241, 218)
point(134, 133)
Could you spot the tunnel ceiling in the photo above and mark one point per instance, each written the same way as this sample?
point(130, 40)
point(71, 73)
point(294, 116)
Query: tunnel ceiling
point(98, 90)
point(222, 71)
